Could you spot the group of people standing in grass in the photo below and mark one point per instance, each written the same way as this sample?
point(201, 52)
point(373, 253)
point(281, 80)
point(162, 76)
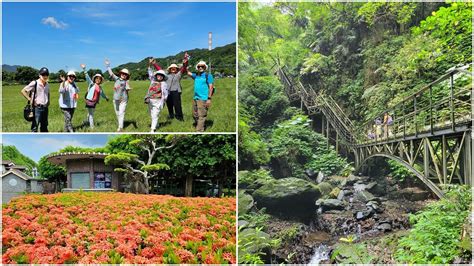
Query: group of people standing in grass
point(164, 88)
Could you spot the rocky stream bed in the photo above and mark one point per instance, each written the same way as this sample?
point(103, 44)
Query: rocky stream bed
point(353, 219)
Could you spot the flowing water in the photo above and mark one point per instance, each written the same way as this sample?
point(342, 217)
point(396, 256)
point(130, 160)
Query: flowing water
point(321, 253)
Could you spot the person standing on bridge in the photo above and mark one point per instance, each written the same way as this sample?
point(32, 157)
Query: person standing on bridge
point(378, 128)
point(387, 123)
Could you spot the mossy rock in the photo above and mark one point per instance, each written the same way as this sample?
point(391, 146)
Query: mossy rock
point(290, 197)
point(351, 254)
point(334, 193)
point(338, 181)
point(325, 189)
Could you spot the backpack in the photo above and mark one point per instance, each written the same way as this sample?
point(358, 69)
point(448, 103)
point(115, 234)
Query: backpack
point(29, 110)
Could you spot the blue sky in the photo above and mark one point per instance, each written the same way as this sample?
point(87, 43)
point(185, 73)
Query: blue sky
point(57, 35)
point(36, 146)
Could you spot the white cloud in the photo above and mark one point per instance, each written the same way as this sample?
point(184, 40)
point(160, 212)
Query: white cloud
point(53, 22)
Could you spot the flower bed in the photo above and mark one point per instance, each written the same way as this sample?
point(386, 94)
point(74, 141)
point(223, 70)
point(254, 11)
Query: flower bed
point(87, 227)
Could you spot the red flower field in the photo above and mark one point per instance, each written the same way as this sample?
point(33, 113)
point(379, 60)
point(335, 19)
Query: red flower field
point(118, 228)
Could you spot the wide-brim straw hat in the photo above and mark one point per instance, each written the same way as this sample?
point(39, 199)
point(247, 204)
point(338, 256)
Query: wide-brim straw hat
point(125, 71)
point(201, 63)
point(173, 65)
point(98, 75)
point(162, 73)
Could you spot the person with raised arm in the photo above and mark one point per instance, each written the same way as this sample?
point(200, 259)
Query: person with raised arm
point(156, 94)
point(173, 101)
point(68, 95)
point(203, 90)
point(93, 94)
point(121, 88)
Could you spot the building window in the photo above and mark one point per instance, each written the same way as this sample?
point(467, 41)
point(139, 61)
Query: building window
point(80, 180)
point(102, 180)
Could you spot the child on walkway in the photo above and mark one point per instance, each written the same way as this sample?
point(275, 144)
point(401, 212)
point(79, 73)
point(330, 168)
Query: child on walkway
point(68, 95)
point(156, 95)
point(93, 94)
point(121, 88)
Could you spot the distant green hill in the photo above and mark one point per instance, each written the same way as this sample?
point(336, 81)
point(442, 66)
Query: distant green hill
point(11, 153)
point(223, 60)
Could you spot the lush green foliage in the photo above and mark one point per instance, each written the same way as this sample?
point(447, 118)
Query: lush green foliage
point(11, 153)
point(252, 149)
point(262, 99)
point(205, 156)
point(436, 234)
point(221, 116)
point(51, 171)
point(296, 147)
point(366, 55)
point(223, 60)
point(399, 171)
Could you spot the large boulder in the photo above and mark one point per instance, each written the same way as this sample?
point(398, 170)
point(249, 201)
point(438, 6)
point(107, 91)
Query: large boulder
point(330, 204)
point(414, 194)
point(289, 197)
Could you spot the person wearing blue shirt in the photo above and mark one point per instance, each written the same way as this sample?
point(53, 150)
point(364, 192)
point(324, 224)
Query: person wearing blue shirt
point(203, 88)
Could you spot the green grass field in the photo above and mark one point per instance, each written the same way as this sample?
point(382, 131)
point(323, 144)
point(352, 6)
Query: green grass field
point(221, 115)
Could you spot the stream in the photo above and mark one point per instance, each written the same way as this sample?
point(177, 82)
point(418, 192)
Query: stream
point(364, 210)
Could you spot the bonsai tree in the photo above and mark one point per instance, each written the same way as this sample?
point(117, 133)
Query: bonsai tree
point(139, 167)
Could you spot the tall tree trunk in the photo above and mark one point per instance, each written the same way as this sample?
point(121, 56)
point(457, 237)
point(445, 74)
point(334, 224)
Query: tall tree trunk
point(188, 190)
point(147, 185)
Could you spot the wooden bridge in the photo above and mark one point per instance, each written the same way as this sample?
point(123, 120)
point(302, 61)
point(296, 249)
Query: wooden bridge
point(431, 134)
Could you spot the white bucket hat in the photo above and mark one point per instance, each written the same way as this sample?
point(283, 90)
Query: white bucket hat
point(173, 65)
point(98, 75)
point(162, 73)
point(125, 71)
point(201, 63)
point(71, 73)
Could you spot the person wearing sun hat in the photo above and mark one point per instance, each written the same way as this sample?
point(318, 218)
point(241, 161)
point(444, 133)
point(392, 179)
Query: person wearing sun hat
point(68, 95)
point(203, 88)
point(121, 88)
point(93, 94)
point(37, 94)
point(156, 94)
point(173, 102)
